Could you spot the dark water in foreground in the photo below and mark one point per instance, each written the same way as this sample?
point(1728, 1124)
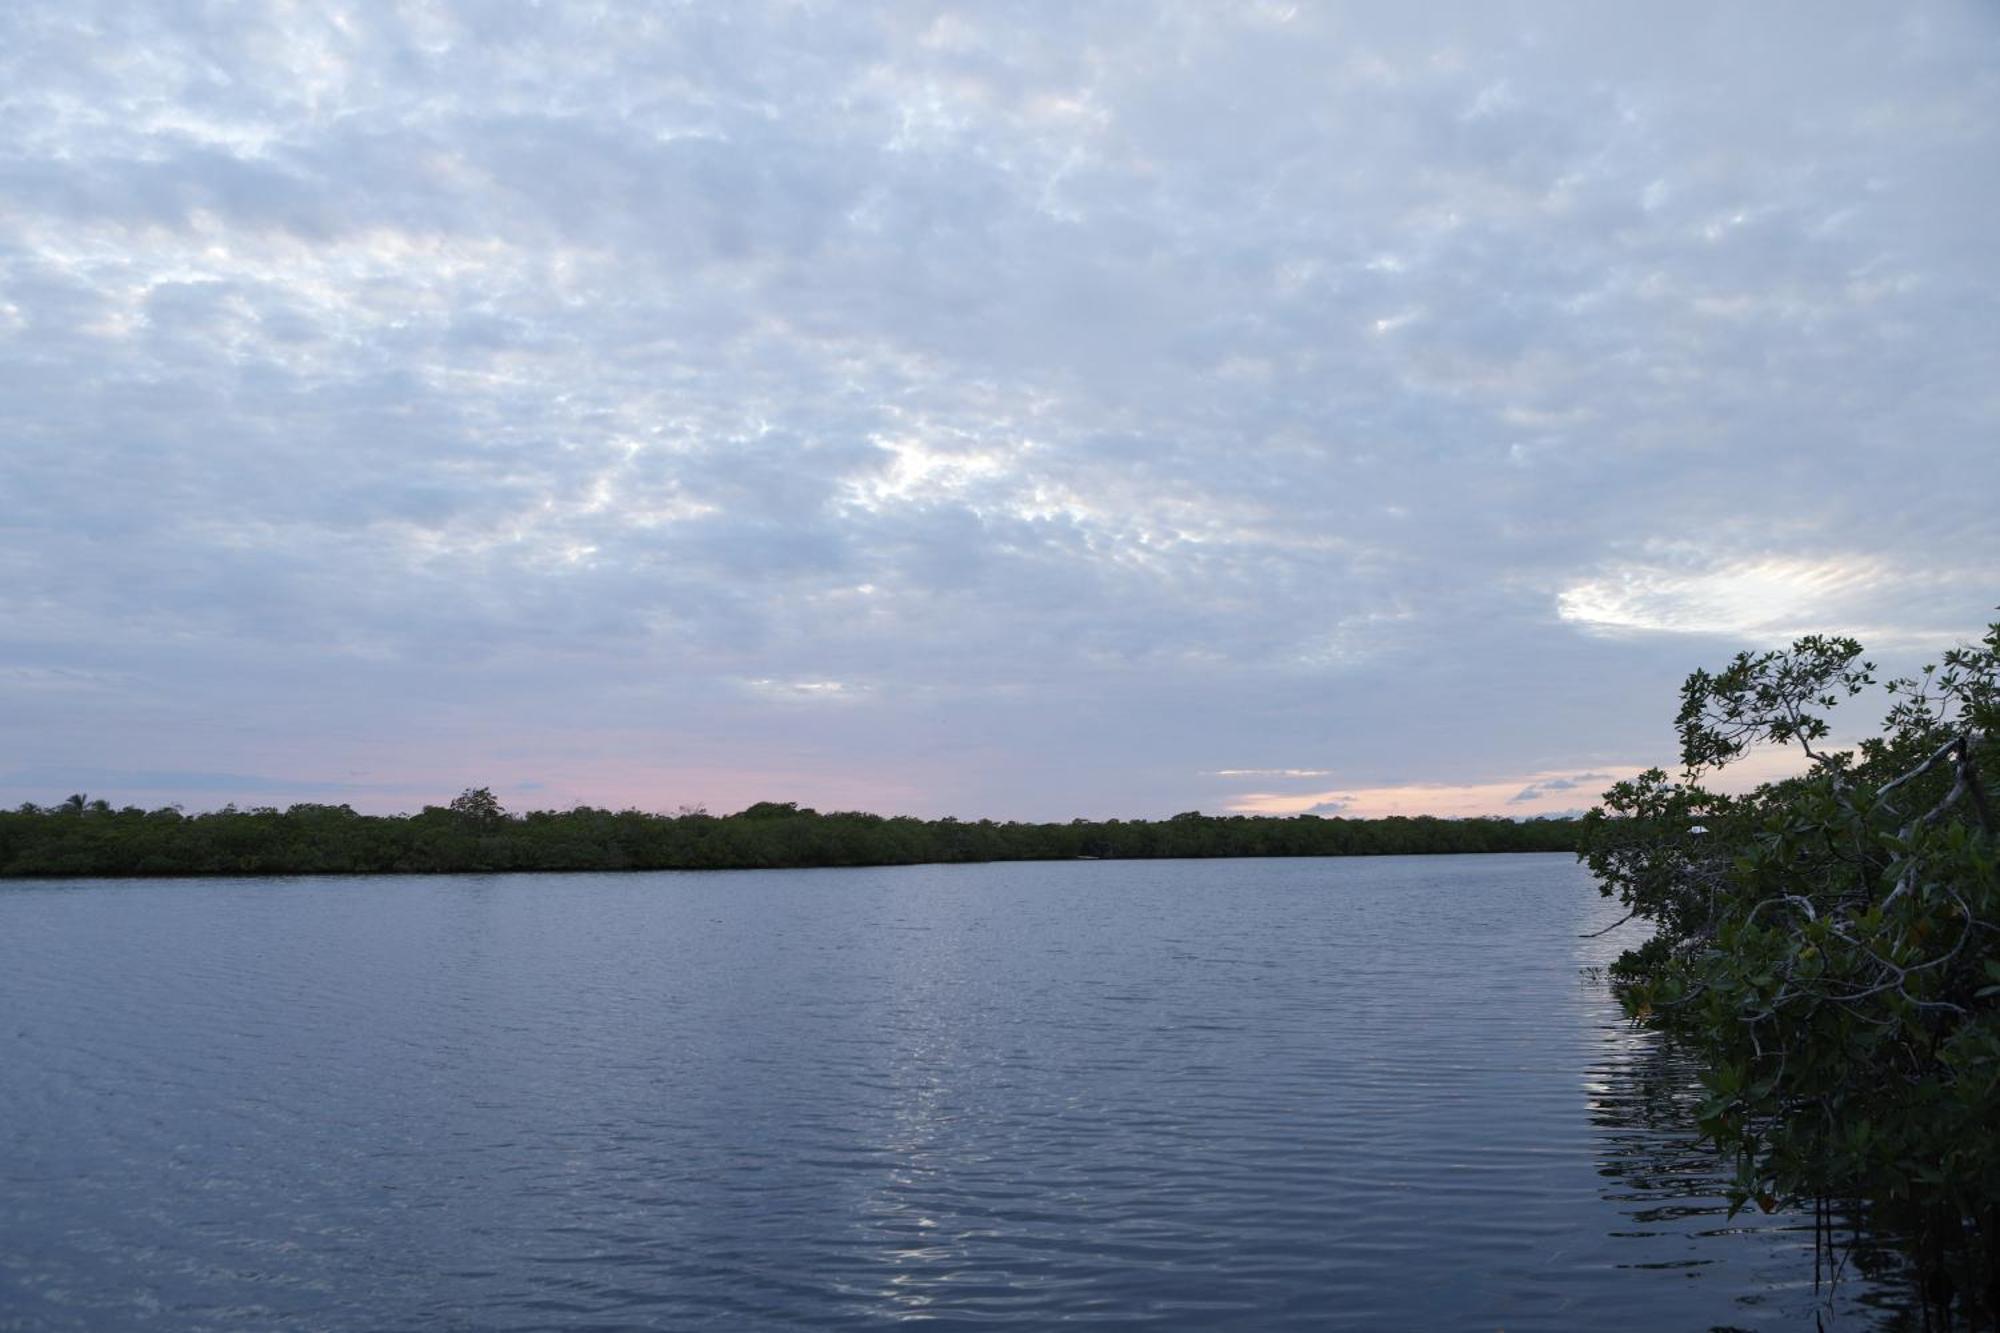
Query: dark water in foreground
point(1370, 1093)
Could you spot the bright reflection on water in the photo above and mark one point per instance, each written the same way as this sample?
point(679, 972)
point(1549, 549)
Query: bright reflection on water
point(1358, 1093)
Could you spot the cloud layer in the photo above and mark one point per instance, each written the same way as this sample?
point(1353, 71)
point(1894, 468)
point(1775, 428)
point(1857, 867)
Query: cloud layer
point(1057, 409)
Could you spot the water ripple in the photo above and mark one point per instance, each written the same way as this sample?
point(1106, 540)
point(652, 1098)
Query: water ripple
point(1367, 1093)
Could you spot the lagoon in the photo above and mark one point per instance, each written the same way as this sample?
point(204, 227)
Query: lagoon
point(1364, 1092)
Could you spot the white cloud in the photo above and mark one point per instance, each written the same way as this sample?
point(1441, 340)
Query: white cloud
point(1776, 597)
point(1270, 772)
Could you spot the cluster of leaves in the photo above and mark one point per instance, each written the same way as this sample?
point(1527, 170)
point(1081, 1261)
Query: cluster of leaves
point(473, 833)
point(1831, 942)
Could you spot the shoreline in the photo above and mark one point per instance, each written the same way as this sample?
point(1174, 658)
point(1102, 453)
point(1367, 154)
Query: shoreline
point(11, 877)
point(84, 840)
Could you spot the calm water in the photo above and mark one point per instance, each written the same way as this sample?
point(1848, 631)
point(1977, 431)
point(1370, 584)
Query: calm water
point(1371, 1093)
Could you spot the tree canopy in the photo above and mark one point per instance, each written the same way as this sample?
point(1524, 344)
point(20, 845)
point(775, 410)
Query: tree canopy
point(474, 833)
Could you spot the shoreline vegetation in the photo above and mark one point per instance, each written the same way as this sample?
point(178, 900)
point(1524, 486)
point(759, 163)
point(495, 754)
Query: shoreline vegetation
point(1829, 946)
point(80, 838)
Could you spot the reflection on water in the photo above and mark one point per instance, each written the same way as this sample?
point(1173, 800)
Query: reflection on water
point(1365, 1094)
point(1644, 1092)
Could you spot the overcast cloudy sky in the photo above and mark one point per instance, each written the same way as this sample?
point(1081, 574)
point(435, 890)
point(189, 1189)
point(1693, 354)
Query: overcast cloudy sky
point(1025, 410)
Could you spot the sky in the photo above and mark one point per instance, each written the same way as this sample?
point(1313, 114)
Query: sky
point(1004, 410)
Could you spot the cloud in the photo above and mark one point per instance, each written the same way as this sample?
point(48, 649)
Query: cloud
point(1774, 597)
point(1271, 772)
point(1537, 790)
point(1097, 397)
point(1336, 807)
point(833, 690)
point(1543, 793)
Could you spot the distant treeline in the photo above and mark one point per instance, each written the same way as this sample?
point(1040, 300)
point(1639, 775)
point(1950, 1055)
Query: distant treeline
point(473, 833)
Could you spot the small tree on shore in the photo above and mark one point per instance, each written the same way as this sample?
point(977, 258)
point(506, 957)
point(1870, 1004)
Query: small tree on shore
point(478, 805)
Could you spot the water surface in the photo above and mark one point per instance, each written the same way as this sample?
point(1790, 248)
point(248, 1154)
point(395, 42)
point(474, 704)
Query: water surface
point(1370, 1093)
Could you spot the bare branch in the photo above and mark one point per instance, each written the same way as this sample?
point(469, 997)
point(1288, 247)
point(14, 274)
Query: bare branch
point(1591, 935)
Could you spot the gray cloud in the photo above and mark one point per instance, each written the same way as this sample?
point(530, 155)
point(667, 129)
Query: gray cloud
point(1536, 791)
point(1101, 397)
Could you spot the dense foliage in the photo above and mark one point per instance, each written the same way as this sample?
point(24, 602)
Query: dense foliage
point(1831, 943)
point(80, 837)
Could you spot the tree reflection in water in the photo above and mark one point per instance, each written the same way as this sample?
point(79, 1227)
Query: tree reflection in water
point(1803, 1267)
